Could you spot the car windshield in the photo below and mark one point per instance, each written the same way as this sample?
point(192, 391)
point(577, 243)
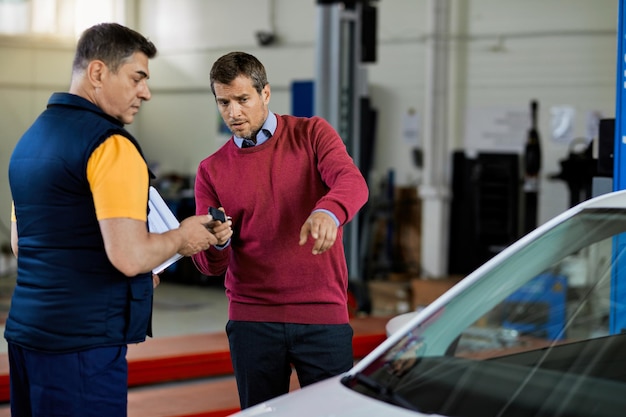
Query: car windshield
point(541, 333)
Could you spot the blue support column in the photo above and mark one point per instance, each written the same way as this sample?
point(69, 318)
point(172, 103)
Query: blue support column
point(618, 281)
point(619, 180)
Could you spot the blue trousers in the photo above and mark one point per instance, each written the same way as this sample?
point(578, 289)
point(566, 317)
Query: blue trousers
point(263, 355)
point(89, 383)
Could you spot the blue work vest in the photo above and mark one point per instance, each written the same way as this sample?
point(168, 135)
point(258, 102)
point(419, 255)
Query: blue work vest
point(68, 296)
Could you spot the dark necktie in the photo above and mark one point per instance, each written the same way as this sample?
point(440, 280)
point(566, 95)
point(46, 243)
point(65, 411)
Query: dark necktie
point(247, 143)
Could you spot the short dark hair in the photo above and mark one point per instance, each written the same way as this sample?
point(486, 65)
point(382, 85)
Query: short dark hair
point(230, 66)
point(111, 43)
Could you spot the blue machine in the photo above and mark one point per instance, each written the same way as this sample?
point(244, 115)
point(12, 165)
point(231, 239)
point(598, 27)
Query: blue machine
point(546, 296)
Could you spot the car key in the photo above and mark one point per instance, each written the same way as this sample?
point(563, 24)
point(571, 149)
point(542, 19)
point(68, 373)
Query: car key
point(217, 214)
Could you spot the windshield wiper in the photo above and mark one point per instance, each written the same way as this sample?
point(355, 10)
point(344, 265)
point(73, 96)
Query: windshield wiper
point(384, 392)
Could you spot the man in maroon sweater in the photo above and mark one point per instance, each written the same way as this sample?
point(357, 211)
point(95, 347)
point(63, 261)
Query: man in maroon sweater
point(289, 186)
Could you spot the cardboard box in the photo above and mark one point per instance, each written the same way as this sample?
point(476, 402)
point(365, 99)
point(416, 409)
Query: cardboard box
point(426, 290)
point(389, 298)
point(407, 232)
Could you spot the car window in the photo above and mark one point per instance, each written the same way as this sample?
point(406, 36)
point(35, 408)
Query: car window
point(541, 333)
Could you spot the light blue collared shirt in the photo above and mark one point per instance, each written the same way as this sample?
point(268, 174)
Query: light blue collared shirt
point(266, 132)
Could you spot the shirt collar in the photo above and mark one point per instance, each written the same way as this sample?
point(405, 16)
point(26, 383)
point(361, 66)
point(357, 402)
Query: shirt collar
point(266, 132)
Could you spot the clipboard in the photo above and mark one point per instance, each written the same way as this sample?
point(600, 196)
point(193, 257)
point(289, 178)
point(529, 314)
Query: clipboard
point(160, 220)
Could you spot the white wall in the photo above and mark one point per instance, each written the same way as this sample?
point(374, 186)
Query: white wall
point(181, 128)
point(560, 52)
point(552, 55)
point(28, 74)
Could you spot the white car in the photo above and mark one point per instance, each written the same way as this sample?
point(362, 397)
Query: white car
point(538, 330)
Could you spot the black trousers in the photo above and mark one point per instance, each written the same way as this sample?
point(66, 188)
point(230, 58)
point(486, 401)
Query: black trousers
point(263, 355)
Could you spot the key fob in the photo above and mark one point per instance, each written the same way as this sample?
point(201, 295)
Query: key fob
point(217, 214)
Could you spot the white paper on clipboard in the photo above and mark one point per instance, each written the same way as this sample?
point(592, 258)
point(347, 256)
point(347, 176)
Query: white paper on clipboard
point(160, 220)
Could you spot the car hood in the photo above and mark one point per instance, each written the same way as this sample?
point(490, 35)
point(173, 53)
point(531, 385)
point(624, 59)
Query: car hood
point(338, 401)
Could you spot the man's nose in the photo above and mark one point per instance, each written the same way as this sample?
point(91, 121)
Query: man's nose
point(145, 93)
point(234, 110)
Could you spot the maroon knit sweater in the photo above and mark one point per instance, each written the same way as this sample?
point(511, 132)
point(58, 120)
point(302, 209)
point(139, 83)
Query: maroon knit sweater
point(269, 191)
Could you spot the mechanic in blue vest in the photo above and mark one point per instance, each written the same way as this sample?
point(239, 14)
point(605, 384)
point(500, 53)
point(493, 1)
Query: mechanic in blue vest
point(79, 184)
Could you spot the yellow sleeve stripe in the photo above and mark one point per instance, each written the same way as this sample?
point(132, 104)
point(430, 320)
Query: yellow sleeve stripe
point(118, 177)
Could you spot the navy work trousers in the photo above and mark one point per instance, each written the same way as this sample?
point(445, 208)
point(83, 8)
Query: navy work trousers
point(89, 383)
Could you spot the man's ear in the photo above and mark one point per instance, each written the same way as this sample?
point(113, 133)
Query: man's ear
point(96, 70)
point(266, 93)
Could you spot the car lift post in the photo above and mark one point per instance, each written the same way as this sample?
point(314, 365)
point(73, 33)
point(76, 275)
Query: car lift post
point(340, 81)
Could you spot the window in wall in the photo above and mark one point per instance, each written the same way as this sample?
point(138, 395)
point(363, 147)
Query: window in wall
point(59, 18)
